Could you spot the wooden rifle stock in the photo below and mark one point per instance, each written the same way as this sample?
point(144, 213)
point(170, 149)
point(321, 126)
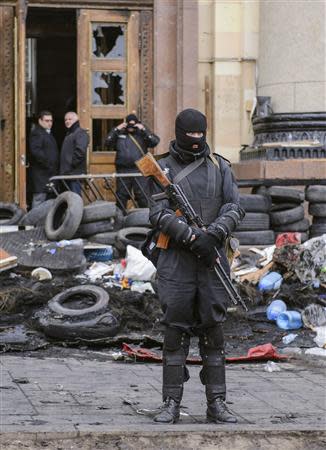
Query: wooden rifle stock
point(149, 168)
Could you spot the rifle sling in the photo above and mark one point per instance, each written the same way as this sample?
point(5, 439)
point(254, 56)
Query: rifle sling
point(134, 140)
point(187, 170)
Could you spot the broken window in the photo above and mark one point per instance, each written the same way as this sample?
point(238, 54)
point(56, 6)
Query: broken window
point(108, 41)
point(108, 88)
point(101, 128)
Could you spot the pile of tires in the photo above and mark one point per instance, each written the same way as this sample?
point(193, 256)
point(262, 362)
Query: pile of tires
point(287, 211)
point(255, 227)
point(316, 196)
point(130, 229)
point(98, 218)
point(68, 218)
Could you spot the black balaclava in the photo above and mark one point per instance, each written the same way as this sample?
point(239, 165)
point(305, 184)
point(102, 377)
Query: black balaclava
point(132, 117)
point(190, 120)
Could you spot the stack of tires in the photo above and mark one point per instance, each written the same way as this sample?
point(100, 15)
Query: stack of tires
point(316, 196)
point(132, 231)
point(287, 212)
point(136, 226)
point(255, 227)
point(68, 218)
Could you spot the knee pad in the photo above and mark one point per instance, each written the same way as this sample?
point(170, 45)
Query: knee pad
point(212, 338)
point(175, 339)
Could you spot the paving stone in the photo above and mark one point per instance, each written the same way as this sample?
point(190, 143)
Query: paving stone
point(93, 394)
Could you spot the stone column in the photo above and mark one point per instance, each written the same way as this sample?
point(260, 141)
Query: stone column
point(175, 64)
point(228, 50)
point(292, 55)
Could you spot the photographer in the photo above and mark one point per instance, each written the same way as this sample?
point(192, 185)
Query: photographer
point(131, 140)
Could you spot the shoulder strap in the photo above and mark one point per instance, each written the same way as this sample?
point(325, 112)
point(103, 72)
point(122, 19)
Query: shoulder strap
point(137, 144)
point(214, 160)
point(187, 170)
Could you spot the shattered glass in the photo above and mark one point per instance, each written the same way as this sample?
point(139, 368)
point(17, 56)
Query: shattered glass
point(108, 41)
point(108, 88)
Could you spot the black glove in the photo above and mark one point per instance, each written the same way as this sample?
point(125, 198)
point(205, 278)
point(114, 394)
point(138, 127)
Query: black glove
point(204, 247)
point(176, 228)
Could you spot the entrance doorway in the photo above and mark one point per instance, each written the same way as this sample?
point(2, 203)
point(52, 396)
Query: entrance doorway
point(51, 68)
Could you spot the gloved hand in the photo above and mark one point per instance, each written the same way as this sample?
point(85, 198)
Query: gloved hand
point(176, 228)
point(204, 247)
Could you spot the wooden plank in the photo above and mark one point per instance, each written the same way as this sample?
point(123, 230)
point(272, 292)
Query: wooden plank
point(108, 112)
point(133, 104)
point(21, 12)
point(109, 16)
point(108, 65)
point(115, 4)
point(83, 75)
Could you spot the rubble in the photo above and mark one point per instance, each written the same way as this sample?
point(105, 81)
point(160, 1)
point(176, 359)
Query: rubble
point(134, 311)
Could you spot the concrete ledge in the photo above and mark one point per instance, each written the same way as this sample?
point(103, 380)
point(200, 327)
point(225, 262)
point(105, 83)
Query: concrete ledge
point(167, 439)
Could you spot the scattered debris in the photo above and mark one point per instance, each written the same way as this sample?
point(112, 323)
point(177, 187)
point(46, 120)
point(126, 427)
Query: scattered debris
point(271, 366)
point(7, 261)
point(41, 274)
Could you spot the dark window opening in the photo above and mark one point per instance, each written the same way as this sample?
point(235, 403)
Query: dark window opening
point(108, 41)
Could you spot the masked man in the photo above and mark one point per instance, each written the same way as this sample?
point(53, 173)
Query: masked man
point(193, 300)
point(131, 140)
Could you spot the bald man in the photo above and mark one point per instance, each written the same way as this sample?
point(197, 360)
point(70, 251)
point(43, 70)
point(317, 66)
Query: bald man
point(74, 151)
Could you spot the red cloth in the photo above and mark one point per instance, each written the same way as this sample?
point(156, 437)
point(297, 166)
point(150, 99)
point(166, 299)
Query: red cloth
point(264, 352)
point(288, 238)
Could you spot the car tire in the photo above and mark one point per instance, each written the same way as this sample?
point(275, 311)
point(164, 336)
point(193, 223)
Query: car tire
point(89, 229)
point(134, 236)
point(317, 209)
point(37, 215)
point(100, 295)
point(301, 225)
point(10, 213)
point(316, 220)
point(137, 218)
point(63, 219)
point(282, 206)
point(317, 229)
point(99, 210)
point(254, 221)
point(108, 238)
point(287, 216)
point(255, 203)
point(316, 194)
point(100, 327)
point(265, 237)
point(280, 194)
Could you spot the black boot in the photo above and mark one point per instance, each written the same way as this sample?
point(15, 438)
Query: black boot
point(170, 412)
point(218, 412)
point(175, 351)
point(212, 375)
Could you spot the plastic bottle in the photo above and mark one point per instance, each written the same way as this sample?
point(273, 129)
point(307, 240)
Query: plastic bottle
point(274, 309)
point(289, 320)
point(272, 280)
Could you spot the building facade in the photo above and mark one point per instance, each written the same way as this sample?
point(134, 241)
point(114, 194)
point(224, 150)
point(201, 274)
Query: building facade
point(107, 58)
point(103, 59)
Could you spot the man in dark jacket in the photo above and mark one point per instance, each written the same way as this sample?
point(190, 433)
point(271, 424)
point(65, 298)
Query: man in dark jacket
point(74, 151)
point(193, 300)
point(130, 140)
point(44, 157)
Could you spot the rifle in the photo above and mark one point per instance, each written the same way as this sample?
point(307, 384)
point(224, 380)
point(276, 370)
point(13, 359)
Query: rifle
point(150, 168)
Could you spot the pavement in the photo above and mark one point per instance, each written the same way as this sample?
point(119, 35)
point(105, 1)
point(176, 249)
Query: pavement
point(85, 403)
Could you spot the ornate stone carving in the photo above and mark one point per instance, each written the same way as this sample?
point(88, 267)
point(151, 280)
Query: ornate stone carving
point(146, 67)
point(7, 144)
